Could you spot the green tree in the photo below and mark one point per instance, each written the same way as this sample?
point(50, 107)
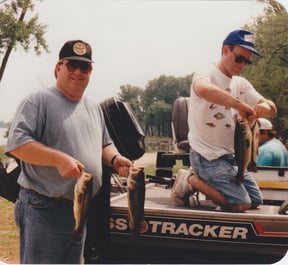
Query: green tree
point(153, 105)
point(158, 119)
point(269, 74)
point(14, 30)
point(158, 99)
point(167, 88)
point(133, 95)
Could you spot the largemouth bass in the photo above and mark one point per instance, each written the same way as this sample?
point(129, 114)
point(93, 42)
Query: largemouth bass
point(254, 147)
point(243, 147)
point(136, 198)
point(82, 198)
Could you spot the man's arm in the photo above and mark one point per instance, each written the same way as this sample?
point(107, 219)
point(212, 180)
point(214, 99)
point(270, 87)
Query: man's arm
point(112, 158)
point(216, 95)
point(38, 154)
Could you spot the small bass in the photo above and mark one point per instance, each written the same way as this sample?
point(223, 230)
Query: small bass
point(136, 198)
point(243, 147)
point(254, 147)
point(82, 198)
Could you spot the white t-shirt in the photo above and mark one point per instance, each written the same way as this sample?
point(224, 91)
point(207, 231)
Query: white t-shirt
point(212, 126)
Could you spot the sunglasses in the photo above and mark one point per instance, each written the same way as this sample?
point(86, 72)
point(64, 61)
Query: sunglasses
point(241, 59)
point(73, 65)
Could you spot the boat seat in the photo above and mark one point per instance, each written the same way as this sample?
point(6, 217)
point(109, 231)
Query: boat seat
point(180, 124)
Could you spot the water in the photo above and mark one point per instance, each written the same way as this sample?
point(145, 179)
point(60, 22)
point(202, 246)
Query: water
point(2, 133)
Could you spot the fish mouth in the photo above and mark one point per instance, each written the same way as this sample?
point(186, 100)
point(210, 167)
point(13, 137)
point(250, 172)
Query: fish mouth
point(135, 170)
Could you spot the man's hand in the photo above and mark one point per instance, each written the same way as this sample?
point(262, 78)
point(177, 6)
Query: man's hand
point(122, 165)
point(247, 112)
point(265, 108)
point(70, 167)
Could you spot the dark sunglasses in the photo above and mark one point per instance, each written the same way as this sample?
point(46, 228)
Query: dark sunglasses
point(241, 59)
point(73, 65)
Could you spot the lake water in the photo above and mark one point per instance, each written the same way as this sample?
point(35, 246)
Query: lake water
point(2, 139)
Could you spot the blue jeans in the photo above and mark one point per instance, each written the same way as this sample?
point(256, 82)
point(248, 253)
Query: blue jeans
point(45, 226)
point(220, 174)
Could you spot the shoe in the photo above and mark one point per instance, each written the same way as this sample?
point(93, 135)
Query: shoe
point(194, 201)
point(181, 189)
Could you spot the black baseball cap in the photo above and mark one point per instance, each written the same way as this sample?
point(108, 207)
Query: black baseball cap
point(242, 38)
point(76, 50)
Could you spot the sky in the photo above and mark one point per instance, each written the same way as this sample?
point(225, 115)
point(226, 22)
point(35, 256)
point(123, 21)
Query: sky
point(133, 42)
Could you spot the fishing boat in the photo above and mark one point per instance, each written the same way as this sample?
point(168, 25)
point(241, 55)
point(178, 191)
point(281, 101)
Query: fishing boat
point(205, 234)
point(173, 233)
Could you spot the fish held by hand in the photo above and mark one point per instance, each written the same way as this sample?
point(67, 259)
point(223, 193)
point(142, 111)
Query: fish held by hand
point(242, 146)
point(82, 198)
point(136, 198)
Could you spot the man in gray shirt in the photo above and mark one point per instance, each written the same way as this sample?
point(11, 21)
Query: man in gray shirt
point(58, 133)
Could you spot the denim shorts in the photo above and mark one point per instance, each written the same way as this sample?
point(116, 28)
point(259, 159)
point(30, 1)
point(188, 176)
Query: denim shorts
point(220, 174)
point(46, 226)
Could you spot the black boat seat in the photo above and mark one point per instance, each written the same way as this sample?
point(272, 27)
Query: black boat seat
point(180, 124)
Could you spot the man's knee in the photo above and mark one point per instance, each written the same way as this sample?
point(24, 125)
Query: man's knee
point(217, 197)
point(238, 208)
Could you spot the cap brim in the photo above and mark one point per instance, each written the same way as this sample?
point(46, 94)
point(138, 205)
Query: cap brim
point(78, 58)
point(251, 49)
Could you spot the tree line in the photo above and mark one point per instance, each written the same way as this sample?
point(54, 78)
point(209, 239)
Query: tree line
point(153, 105)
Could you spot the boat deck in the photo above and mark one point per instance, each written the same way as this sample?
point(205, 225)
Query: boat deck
point(158, 197)
point(272, 185)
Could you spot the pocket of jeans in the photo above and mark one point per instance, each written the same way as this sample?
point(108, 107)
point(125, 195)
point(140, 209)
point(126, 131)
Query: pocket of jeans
point(39, 201)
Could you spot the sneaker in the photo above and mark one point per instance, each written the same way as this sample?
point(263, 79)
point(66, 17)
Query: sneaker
point(181, 189)
point(194, 201)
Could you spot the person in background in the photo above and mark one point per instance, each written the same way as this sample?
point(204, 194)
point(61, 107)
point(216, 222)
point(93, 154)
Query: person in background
point(58, 133)
point(271, 151)
point(218, 95)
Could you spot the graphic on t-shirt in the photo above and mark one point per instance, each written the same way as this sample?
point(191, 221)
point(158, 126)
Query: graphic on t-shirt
point(210, 124)
point(212, 106)
point(219, 116)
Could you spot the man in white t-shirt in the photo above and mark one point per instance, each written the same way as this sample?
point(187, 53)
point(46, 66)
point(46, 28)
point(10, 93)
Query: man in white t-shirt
point(218, 95)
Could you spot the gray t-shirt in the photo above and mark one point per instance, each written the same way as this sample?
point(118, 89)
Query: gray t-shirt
point(75, 128)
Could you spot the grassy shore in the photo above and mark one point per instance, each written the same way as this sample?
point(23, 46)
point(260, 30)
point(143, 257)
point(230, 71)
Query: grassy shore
point(9, 237)
point(9, 243)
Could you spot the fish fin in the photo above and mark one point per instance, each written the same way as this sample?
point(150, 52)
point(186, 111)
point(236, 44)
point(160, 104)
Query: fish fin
point(239, 178)
point(247, 143)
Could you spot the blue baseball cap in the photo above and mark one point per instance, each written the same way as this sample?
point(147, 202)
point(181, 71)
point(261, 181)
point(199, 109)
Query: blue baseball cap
point(242, 38)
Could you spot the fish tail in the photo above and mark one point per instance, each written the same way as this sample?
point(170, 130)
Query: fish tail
point(77, 235)
point(239, 178)
point(252, 166)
